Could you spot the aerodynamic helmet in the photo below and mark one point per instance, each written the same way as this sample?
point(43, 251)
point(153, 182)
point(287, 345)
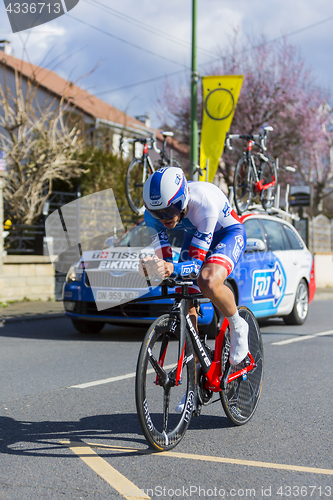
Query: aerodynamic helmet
point(165, 193)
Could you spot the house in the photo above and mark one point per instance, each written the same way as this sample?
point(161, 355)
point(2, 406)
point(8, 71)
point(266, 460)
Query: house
point(103, 124)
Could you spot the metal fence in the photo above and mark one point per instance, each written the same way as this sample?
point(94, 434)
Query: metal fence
point(24, 239)
point(321, 234)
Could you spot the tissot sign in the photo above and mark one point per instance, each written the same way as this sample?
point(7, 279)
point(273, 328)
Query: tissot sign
point(26, 14)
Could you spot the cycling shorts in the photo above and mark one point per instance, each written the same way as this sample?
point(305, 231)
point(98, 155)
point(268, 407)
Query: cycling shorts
point(226, 249)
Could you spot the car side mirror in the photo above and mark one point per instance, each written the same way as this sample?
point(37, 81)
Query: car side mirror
point(109, 242)
point(255, 245)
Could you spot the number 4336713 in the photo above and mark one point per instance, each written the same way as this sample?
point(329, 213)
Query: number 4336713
point(33, 8)
point(305, 491)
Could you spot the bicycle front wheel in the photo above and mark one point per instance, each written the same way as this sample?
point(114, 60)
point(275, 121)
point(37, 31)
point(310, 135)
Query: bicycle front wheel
point(243, 183)
point(241, 397)
point(137, 173)
point(157, 399)
point(269, 179)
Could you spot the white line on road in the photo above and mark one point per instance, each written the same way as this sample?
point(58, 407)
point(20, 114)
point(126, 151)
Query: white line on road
point(112, 379)
point(151, 370)
point(303, 337)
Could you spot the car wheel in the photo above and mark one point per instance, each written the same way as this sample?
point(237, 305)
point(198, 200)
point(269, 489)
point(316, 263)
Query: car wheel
point(87, 326)
point(301, 305)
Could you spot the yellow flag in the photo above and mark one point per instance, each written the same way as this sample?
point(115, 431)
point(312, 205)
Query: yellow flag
point(220, 96)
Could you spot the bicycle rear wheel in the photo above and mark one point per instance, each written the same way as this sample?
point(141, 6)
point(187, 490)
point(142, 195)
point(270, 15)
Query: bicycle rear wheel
point(156, 401)
point(136, 175)
point(241, 397)
point(268, 175)
point(243, 183)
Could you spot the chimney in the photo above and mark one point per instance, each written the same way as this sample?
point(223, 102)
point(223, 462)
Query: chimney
point(6, 47)
point(145, 119)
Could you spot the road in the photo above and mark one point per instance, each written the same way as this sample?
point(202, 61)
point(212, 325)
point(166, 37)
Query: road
point(61, 441)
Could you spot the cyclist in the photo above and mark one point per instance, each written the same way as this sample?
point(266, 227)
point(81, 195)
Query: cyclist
point(214, 241)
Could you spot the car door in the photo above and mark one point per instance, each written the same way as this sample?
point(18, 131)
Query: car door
point(300, 257)
point(283, 262)
point(253, 273)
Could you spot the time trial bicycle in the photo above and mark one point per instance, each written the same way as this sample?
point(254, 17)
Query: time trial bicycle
point(166, 369)
point(142, 167)
point(255, 173)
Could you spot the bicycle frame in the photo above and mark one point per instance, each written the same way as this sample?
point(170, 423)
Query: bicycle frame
point(259, 186)
point(215, 380)
point(146, 159)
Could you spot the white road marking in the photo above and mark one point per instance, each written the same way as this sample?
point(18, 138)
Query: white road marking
point(112, 379)
point(151, 370)
point(303, 337)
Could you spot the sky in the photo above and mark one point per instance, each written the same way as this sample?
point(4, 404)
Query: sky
point(124, 50)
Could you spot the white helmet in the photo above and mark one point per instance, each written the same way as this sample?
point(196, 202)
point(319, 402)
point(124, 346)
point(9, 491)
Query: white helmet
point(165, 193)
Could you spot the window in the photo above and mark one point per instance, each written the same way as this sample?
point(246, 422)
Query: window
point(294, 239)
point(138, 236)
point(274, 235)
point(253, 229)
point(285, 238)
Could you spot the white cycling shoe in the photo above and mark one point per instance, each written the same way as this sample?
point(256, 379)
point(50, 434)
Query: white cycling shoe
point(180, 407)
point(239, 343)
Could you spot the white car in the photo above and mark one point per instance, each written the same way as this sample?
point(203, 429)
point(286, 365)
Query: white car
point(276, 274)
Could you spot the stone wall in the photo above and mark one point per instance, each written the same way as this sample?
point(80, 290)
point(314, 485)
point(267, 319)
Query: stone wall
point(324, 270)
point(31, 277)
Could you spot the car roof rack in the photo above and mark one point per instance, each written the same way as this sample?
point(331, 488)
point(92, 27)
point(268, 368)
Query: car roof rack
point(274, 211)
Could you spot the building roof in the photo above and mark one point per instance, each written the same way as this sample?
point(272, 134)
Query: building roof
point(83, 100)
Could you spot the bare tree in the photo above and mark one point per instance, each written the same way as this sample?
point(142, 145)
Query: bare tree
point(41, 143)
point(316, 164)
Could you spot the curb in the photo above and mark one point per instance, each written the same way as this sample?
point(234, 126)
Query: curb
point(323, 293)
point(32, 317)
point(323, 296)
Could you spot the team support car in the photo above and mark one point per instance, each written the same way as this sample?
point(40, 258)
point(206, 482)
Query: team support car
point(275, 277)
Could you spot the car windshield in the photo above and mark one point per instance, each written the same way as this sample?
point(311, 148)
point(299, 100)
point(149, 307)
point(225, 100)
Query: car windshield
point(138, 236)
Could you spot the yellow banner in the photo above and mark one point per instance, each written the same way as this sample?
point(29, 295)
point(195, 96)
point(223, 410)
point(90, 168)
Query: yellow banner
point(220, 96)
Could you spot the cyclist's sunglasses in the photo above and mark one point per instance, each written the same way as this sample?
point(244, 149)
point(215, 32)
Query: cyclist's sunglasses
point(165, 213)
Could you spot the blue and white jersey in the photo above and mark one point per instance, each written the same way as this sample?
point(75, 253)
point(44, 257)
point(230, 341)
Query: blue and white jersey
point(209, 212)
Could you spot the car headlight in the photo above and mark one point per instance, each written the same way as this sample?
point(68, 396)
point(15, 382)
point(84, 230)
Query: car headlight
point(74, 274)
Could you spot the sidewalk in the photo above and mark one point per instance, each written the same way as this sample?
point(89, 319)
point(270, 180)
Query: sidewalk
point(23, 311)
point(323, 293)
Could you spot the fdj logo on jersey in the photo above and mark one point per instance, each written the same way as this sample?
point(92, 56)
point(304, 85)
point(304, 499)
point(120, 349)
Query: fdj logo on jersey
point(269, 285)
point(239, 245)
point(207, 237)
